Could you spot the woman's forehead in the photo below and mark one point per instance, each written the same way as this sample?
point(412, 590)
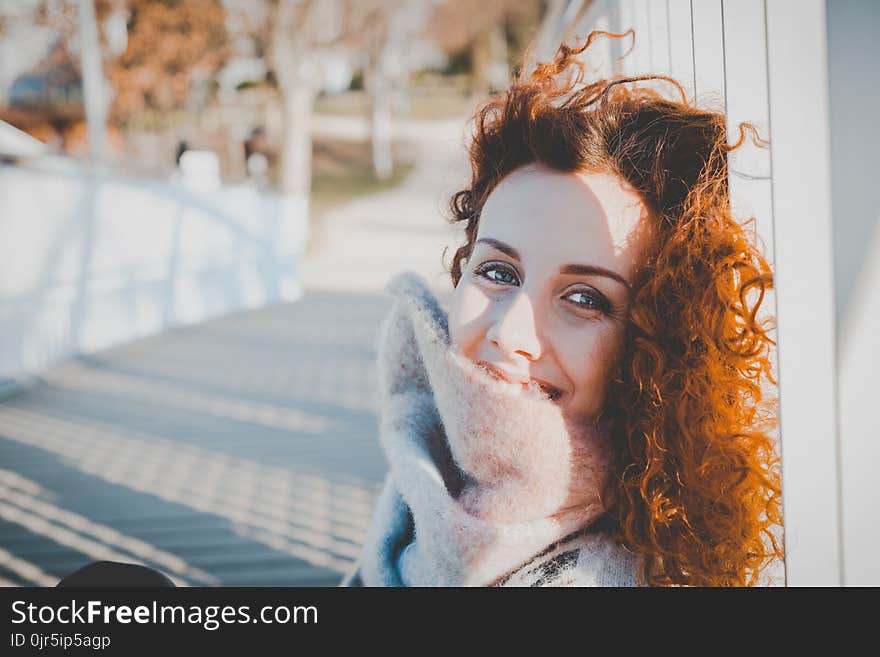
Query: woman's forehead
point(588, 218)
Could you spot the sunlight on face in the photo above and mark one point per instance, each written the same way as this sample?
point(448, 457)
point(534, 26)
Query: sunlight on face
point(545, 292)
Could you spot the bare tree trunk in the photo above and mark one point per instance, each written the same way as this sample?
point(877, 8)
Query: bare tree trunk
point(94, 85)
point(380, 94)
point(499, 72)
point(295, 174)
point(480, 65)
point(489, 60)
point(296, 149)
point(288, 47)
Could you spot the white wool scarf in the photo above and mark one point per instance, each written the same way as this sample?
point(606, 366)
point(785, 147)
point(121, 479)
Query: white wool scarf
point(483, 474)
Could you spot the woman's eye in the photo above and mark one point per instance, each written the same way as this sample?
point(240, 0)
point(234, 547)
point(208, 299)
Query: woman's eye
point(588, 300)
point(496, 274)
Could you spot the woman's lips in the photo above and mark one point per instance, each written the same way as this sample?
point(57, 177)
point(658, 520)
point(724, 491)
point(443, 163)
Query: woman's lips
point(503, 375)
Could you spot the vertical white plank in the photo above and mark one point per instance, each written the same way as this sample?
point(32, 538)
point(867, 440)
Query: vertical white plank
point(746, 100)
point(745, 62)
point(859, 353)
point(659, 26)
point(599, 58)
point(798, 90)
point(681, 51)
point(708, 43)
point(853, 48)
point(633, 14)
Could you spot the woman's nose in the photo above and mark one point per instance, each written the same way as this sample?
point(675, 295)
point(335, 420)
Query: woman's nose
point(514, 330)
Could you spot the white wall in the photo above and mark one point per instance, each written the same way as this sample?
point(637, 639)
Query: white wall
point(854, 92)
point(87, 262)
point(798, 90)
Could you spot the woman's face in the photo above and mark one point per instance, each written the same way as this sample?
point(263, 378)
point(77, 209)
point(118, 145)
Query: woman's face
point(545, 292)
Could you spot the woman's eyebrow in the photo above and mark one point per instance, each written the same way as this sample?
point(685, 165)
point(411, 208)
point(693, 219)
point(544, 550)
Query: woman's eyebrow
point(594, 270)
point(577, 270)
point(501, 246)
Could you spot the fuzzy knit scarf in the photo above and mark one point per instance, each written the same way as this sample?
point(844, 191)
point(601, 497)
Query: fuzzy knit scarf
point(483, 474)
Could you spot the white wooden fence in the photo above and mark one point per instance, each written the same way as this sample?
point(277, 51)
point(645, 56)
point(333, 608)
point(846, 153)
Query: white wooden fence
point(88, 262)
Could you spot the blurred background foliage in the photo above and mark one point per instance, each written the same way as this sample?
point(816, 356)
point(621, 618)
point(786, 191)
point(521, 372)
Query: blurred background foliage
point(295, 94)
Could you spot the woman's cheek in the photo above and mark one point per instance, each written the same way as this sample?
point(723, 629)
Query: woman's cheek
point(597, 363)
point(468, 305)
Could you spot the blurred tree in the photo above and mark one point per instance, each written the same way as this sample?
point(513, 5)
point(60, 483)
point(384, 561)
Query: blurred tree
point(302, 39)
point(46, 94)
point(96, 100)
point(156, 54)
point(298, 31)
point(306, 43)
point(377, 36)
point(172, 50)
point(387, 44)
point(495, 31)
point(32, 32)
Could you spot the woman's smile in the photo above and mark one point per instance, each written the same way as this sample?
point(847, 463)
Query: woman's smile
point(522, 381)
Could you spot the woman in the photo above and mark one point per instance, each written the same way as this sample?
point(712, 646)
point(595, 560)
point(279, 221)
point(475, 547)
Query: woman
point(591, 410)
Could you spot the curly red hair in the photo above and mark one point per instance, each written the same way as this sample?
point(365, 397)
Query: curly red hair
point(696, 488)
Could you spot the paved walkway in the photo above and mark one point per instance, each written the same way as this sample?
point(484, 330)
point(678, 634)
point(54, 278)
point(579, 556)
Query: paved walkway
point(241, 451)
point(376, 236)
